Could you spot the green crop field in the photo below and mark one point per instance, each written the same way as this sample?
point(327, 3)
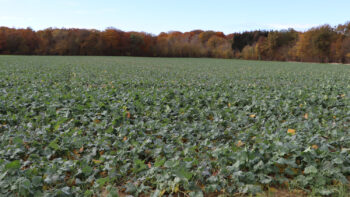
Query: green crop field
point(109, 126)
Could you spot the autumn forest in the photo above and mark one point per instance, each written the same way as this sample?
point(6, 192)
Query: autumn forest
point(319, 44)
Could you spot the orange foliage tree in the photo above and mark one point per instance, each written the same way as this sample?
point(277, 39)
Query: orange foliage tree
point(319, 44)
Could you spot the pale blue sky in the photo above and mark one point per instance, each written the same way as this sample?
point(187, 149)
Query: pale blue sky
point(155, 16)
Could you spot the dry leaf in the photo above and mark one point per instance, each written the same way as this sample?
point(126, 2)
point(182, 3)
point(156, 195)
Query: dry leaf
point(239, 143)
point(76, 152)
point(103, 173)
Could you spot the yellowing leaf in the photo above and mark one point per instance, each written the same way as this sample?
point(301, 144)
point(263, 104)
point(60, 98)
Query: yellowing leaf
point(162, 192)
point(96, 161)
point(272, 190)
point(291, 131)
point(295, 170)
point(176, 189)
point(335, 182)
point(56, 127)
point(45, 187)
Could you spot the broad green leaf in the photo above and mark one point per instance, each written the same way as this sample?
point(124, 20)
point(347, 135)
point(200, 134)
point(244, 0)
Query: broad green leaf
point(310, 170)
point(14, 165)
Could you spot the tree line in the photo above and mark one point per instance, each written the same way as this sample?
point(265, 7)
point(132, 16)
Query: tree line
point(318, 44)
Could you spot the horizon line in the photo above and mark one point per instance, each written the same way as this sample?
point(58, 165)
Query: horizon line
point(273, 27)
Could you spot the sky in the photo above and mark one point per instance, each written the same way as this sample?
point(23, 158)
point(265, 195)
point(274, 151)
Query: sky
point(155, 16)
